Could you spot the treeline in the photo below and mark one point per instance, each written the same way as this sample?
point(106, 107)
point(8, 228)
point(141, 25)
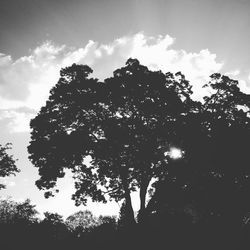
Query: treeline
point(21, 228)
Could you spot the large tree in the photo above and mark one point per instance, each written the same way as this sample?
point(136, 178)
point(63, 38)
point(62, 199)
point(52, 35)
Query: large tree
point(126, 124)
point(213, 176)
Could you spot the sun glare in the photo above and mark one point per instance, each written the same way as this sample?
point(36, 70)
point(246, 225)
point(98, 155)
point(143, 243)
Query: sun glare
point(174, 153)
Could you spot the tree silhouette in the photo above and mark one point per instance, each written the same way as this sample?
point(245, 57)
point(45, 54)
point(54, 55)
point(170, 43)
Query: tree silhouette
point(7, 163)
point(128, 125)
point(125, 124)
point(226, 114)
point(213, 177)
point(53, 227)
point(17, 223)
point(53, 218)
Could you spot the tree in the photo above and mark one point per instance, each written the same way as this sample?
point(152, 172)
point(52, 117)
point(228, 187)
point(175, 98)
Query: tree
point(214, 174)
point(125, 124)
point(107, 220)
point(226, 114)
point(53, 218)
point(82, 222)
point(53, 227)
point(7, 163)
point(12, 212)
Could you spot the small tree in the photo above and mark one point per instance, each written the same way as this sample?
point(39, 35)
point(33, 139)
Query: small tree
point(53, 218)
point(107, 220)
point(12, 212)
point(81, 222)
point(54, 226)
point(7, 163)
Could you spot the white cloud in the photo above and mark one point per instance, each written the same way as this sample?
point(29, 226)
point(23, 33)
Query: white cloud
point(233, 73)
point(17, 120)
point(6, 181)
point(197, 67)
point(244, 86)
point(26, 82)
point(11, 184)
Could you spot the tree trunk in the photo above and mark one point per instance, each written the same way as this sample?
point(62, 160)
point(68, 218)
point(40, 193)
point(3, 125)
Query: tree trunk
point(129, 209)
point(129, 212)
point(143, 192)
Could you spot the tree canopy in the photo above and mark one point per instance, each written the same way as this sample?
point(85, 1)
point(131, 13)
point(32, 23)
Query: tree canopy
point(213, 177)
point(81, 222)
point(127, 123)
point(7, 162)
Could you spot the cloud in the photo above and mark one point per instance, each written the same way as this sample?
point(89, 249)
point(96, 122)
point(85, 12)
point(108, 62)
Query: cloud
point(11, 184)
point(25, 82)
point(8, 183)
point(197, 67)
point(244, 86)
point(17, 120)
point(233, 73)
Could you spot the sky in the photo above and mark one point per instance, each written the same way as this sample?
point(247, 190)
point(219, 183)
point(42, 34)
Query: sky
point(38, 38)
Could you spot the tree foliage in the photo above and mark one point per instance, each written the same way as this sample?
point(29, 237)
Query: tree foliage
point(213, 177)
point(12, 212)
point(7, 163)
point(82, 222)
point(53, 218)
point(53, 227)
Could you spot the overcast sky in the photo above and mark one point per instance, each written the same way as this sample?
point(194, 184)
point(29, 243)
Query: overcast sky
point(37, 38)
